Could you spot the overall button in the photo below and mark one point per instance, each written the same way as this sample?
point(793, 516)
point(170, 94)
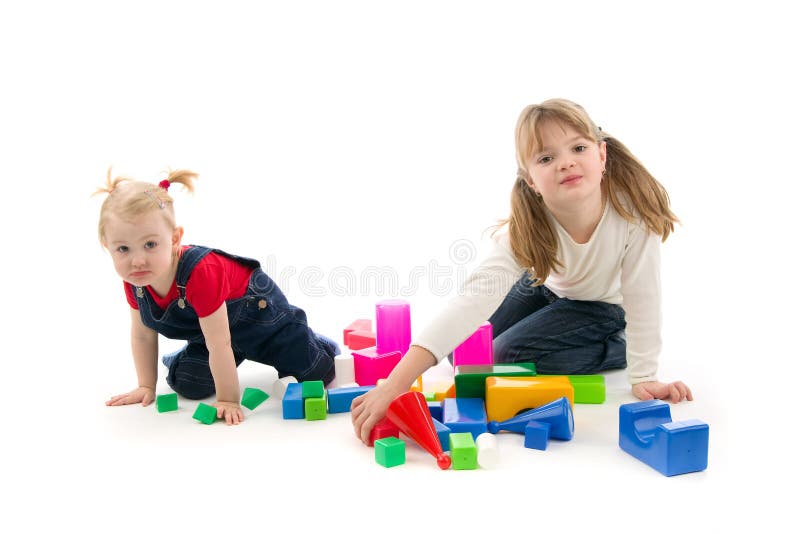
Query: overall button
point(181, 303)
point(139, 292)
point(262, 304)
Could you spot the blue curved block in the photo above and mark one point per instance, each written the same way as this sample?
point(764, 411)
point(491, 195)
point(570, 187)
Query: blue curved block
point(465, 414)
point(647, 432)
point(557, 414)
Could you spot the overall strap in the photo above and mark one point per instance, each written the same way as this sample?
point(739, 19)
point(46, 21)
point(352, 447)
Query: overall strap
point(186, 264)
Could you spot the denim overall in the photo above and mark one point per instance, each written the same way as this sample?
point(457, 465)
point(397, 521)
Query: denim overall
point(559, 335)
point(264, 328)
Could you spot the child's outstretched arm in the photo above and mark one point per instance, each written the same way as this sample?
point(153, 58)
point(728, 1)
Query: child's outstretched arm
point(223, 365)
point(370, 408)
point(144, 346)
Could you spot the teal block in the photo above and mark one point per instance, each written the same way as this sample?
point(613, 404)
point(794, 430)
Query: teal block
point(313, 389)
point(252, 397)
point(167, 403)
point(205, 414)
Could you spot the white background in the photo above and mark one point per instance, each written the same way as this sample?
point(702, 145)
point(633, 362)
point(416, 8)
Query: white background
point(355, 137)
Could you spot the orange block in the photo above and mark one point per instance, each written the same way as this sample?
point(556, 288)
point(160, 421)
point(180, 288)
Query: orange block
point(507, 396)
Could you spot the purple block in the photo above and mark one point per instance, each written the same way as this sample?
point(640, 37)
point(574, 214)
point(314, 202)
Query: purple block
point(393, 326)
point(476, 349)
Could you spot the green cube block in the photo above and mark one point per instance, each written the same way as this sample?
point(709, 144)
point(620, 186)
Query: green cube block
point(313, 389)
point(205, 414)
point(316, 408)
point(167, 403)
point(390, 451)
point(463, 451)
point(589, 389)
point(252, 397)
point(430, 396)
point(470, 380)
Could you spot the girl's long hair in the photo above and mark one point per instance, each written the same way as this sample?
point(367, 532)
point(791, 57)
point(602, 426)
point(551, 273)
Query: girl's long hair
point(633, 192)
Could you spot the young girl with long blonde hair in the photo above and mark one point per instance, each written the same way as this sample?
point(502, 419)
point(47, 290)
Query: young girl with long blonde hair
point(573, 281)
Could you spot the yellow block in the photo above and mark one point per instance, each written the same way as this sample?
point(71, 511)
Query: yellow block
point(507, 396)
point(417, 386)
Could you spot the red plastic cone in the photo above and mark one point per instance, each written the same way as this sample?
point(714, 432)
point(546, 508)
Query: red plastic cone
point(410, 413)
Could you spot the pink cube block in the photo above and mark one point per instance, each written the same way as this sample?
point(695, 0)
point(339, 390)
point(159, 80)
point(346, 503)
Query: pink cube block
point(370, 366)
point(393, 326)
point(476, 349)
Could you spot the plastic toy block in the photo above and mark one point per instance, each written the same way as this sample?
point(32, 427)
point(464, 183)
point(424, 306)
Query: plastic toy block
point(443, 433)
point(463, 451)
point(508, 396)
point(470, 380)
point(417, 385)
point(488, 452)
point(444, 391)
point(252, 397)
point(464, 415)
point(430, 396)
point(340, 399)
point(435, 407)
point(476, 349)
point(647, 432)
point(392, 326)
point(536, 435)
point(345, 372)
point(358, 324)
point(279, 386)
point(557, 414)
point(167, 403)
point(361, 339)
point(316, 408)
point(292, 403)
point(390, 451)
point(205, 414)
point(313, 389)
point(383, 429)
point(370, 365)
point(409, 412)
point(589, 389)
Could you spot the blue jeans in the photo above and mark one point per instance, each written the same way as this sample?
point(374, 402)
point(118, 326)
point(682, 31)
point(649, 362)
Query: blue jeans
point(561, 336)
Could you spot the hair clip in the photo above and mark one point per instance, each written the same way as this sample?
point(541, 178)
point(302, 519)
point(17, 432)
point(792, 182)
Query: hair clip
point(164, 184)
point(158, 201)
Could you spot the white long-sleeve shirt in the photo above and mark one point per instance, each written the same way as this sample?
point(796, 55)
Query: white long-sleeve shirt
point(620, 264)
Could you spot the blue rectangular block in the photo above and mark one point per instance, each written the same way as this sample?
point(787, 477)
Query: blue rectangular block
point(443, 433)
point(465, 414)
point(435, 407)
point(339, 399)
point(293, 405)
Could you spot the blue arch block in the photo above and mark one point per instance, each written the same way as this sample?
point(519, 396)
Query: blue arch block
point(647, 432)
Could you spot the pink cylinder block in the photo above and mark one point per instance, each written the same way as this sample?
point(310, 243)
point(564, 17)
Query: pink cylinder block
point(476, 349)
point(369, 366)
point(393, 326)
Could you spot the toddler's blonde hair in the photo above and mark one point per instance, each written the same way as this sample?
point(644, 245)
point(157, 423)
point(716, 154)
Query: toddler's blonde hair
point(128, 198)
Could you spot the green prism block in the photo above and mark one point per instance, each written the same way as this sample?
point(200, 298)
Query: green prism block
point(316, 408)
point(205, 414)
point(390, 451)
point(313, 389)
point(463, 451)
point(589, 389)
point(252, 397)
point(470, 380)
point(167, 403)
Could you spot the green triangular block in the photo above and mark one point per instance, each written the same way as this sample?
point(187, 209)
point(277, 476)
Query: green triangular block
point(252, 397)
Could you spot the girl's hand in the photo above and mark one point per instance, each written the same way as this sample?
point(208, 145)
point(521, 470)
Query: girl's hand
point(370, 408)
point(142, 394)
point(230, 411)
point(673, 392)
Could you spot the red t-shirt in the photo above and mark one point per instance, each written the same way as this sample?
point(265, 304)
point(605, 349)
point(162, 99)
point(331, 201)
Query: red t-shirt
point(214, 280)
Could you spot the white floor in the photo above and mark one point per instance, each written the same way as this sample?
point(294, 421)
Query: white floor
point(131, 468)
